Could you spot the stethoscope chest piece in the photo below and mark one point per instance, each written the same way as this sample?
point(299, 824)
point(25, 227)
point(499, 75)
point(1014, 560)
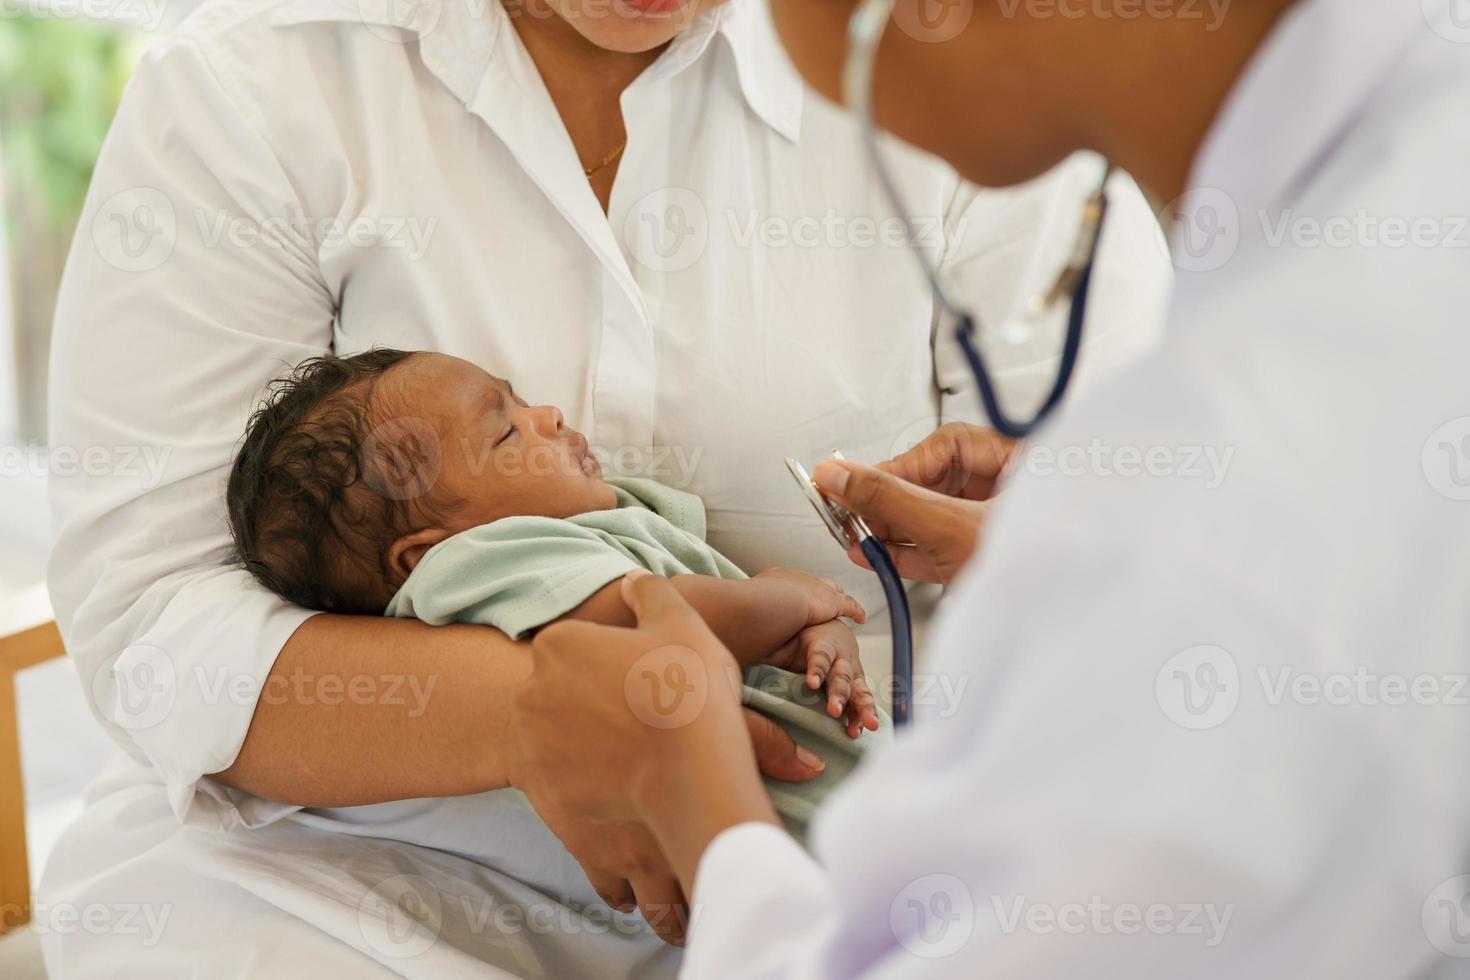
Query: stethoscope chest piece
point(847, 528)
point(851, 531)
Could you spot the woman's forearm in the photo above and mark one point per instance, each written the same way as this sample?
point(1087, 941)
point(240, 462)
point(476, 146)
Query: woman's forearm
point(359, 709)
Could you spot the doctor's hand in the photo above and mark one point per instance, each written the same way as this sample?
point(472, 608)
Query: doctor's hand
point(636, 752)
point(928, 504)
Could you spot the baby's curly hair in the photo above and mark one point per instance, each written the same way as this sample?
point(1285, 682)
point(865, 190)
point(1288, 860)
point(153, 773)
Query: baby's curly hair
point(307, 511)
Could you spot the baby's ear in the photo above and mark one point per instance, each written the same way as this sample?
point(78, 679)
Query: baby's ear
point(405, 552)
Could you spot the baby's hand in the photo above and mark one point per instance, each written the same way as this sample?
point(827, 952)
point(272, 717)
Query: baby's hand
point(828, 652)
point(823, 597)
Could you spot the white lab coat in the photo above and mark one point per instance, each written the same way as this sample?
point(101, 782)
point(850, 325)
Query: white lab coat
point(1213, 718)
point(294, 176)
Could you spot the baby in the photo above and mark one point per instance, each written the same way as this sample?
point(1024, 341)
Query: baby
point(418, 485)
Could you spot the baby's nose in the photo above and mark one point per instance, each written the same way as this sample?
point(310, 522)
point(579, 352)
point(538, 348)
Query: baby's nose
point(548, 419)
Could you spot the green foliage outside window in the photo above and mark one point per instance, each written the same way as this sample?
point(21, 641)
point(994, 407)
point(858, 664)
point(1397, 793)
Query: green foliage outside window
point(60, 81)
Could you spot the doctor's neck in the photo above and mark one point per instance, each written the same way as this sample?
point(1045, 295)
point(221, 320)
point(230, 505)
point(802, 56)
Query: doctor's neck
point(1020, 85)
point(1150, 112)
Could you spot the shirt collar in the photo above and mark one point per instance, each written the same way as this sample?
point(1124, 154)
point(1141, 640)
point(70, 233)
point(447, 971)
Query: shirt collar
point(457, 40)
point(1303, 88)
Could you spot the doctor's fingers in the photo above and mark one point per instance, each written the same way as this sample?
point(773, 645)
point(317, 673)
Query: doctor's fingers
point(911, 562)
point(957, 460)
point(615, 891)
point(613, 856)
point(944, 529)
point(664, 906)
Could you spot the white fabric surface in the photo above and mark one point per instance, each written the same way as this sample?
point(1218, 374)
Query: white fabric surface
point(1167, 764)
point(701, 358)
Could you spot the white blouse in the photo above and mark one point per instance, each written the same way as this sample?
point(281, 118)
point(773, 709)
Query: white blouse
point(291, 177)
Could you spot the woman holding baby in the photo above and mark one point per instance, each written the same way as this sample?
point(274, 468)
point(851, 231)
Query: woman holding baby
point(633, 209)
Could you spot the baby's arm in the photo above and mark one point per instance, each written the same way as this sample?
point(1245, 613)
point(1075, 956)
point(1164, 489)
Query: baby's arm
point(779, 617)
point(754, 617)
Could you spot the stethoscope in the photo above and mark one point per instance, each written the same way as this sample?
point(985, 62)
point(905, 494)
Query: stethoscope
point(864, 34)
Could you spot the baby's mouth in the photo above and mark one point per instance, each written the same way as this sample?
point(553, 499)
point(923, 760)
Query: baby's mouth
point(585, 459)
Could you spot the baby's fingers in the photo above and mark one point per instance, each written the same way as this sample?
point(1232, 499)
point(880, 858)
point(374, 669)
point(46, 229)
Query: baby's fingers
point(819, 659)
point(851, 608)
point(862, 710)
point(839, 687)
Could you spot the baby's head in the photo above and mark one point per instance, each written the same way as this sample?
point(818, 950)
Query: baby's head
point(354, 467)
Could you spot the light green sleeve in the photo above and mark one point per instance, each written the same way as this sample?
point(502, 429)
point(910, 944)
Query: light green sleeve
point(520, 573)
point(516, 574)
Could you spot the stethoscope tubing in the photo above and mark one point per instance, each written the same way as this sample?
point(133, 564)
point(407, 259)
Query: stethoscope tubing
point(965, 335)
point(899, 623)
point(865, 32)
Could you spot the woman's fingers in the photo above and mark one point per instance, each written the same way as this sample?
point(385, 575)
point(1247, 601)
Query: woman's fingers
point(657, 605)
point(777, 753)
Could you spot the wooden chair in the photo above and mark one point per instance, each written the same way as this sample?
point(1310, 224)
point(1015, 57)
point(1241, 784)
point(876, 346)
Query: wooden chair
point(27, 638)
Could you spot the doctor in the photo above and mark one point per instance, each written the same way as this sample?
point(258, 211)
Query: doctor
point(1207, 728)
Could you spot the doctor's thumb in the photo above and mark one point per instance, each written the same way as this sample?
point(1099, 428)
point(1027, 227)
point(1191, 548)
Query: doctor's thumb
point(900, 507)
point(943, 530)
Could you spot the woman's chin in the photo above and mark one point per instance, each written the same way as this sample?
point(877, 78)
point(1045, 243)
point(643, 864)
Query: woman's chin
point(636, 26)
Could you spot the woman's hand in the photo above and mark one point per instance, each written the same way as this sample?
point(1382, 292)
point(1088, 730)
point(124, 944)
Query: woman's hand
point(927, 504)
point(622, 729)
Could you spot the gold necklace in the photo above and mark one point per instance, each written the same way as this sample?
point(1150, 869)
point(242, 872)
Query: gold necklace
point(617, 152)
